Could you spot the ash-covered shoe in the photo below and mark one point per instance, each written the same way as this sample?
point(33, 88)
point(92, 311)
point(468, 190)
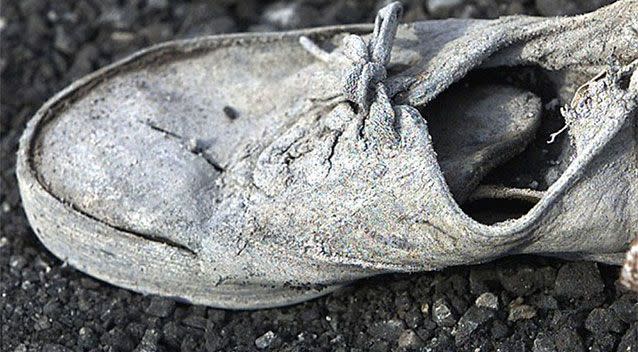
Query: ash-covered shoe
point(257, 170)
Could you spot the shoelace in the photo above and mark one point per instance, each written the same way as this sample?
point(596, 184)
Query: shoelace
point(364, 81)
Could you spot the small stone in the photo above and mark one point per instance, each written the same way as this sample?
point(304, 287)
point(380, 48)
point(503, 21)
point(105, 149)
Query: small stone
point(602, 320)
point(482, 280)
point(89, 283)
point(215, 338)
point(568, 7)
point(442, 8)
point(544, 343)
point(63, 41)
point(471, 321)
point(157, 4)
point(413, 317)
point(518, 279)
point(173, 333)
point(410, 340)
point(265, 340)
point(487, 300)
point(499, 329)
point(86, 337)
point(195, 321)
point(288, 15)
point(578, 280)
point(629, 341)
point(118, 340)
point(149, 341)
point(425, 309)
point(137, 330)
point(625, 310)
point(603, 342)
point(50, 347)
point(42, 323)
point(544, 302)
point(84, 60)
point(520, 311)
point(216, 315)
point(160, 307)
point(41, 265)
point(442, 313)
point(568, 340)
point(563, 340)
point(388, 330)
point(17, 262)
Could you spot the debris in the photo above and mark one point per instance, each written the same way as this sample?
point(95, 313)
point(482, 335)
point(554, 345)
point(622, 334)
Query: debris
point(265, 340)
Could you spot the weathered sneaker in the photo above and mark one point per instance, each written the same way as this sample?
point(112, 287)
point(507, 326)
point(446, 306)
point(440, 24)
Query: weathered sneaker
point(258, 170)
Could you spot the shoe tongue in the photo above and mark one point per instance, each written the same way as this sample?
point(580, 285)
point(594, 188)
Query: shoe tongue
point(477, 128)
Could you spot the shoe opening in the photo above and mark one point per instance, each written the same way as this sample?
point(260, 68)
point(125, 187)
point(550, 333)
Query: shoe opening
point(526, 159)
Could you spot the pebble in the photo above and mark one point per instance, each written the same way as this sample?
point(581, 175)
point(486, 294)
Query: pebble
point(629, 341)
point(487, 300)
point(568, 340)
point(86, 337)
point(442, 313)
point(265, 340)
point(602, 320)
point(482, 280)
point(473, 318)
point(520, 311)
point(519, 279)
point(388, 330)
point(42, 323)
point(118, 340)
point(195, 321)
point(173, 333)
point(287, 15)
point(149, 341)
point(160, 307)
point(157, 4)
point(625, 310)
point(17, 262)
point(544, 343)
point(441, 8)
point(578, 280)
point(499, 329)
point(568, 7)
point(409, 339)
point(425, 309)
point(51, 347)
point(603, 343)
point(413, 317)
point(544, 302)
point(563, 340)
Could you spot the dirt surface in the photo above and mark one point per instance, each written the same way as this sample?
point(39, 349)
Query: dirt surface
point(515, 304)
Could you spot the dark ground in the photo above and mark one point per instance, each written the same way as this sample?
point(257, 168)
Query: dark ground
point(533, 304)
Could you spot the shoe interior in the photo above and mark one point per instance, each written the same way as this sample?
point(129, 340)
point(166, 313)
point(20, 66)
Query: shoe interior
point(535, 164)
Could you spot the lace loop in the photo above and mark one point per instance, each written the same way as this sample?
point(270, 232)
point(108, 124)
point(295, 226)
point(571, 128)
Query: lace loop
point(367, 61)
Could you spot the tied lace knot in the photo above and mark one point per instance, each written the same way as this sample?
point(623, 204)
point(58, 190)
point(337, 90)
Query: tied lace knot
point(367, 62)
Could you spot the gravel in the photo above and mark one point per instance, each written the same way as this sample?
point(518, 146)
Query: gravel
point(515, 304)
point(265, 340)
point(578, 280)
point(487, 300)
